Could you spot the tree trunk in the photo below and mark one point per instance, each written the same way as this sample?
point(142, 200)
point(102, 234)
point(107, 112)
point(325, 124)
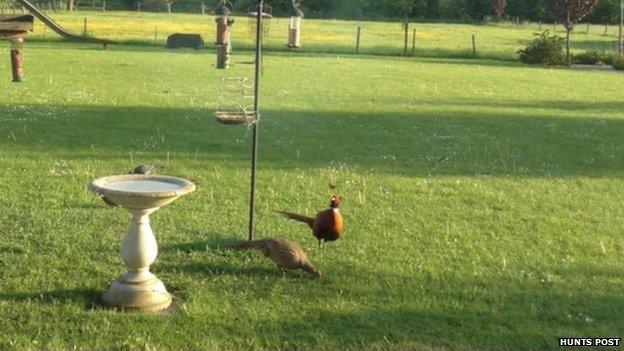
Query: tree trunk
point(168, 7)
point(568, 59)
point(70, 5)
point(621, 34)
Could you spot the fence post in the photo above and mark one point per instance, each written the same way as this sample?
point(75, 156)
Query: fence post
point(406, 38)
point(474, 46)
point(413, 41)
point(357, 40)
point(85, 27)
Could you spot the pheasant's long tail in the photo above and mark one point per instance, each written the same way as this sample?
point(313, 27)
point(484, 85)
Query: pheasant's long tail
point(297, 217)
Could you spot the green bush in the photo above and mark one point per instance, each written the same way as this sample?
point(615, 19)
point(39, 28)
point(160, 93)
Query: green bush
point(618, 64)
point(593, 58)
point(545, 49)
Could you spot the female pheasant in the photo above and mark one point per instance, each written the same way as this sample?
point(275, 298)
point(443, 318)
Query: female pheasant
point(285, 253)
point(326, 226)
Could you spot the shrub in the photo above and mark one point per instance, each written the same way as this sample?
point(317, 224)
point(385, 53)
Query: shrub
point(618, 64)
point(593, 58)
point(545, 49)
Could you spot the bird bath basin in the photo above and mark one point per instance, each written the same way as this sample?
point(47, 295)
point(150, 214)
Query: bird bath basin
point(140, 195)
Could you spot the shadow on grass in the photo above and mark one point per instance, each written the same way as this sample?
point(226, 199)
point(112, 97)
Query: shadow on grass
point(481, 312)
point(216, 242)
point(11, 249)
point(224, 268)
point(89, 298)
point(470, 137)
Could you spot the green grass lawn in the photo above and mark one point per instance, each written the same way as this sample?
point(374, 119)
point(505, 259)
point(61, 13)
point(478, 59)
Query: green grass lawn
point(482, 200)
point(495, 40)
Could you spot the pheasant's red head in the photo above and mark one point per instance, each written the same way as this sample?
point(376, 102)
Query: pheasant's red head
point(335, 201)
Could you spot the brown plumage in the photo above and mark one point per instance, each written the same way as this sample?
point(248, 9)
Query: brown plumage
point(326, 226)
point(285, 253)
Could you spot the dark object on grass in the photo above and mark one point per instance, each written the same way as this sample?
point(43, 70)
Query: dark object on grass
point(140, 169)
point(545, 49)
point(184, 40)
point(143, 169)
point(285, 253)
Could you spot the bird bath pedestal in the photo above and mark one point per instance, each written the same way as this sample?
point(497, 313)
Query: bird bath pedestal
point(141, 196)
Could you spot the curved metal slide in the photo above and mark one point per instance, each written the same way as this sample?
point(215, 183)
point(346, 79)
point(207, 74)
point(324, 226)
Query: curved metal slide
point(60, 30)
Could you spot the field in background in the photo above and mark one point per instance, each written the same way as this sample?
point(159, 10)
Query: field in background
point(498, 41)
point(483, 199)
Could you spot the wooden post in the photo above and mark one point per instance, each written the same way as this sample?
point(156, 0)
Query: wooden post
point(17, 60)
point(474, 46)
point(357, 40)
point(223, 57)
point(84, 31)
point(587, 30)
point(406, 25)
point(413, 41)
point(620, 43)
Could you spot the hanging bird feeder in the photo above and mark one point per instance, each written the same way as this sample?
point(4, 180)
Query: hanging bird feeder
point(14, 28)
point(266, 21)
point(294, 28)
point(224, 23)
point(251, 117)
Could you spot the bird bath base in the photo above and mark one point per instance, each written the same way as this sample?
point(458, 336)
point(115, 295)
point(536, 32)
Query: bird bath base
point(141, 196)
point(147, 296)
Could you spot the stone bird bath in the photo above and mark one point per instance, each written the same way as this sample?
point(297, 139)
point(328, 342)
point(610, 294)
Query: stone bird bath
point(141, 196)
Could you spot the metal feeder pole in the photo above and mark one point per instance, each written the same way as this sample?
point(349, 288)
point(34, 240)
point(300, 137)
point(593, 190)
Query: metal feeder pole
point(254, 150)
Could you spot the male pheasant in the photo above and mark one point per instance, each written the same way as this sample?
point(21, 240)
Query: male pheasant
point(326, 226)
point(285, 253)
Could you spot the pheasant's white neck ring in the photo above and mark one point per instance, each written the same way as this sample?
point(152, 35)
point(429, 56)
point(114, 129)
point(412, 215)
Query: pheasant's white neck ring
point(335, 209)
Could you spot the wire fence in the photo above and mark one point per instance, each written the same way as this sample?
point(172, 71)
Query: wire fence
point(495, 40)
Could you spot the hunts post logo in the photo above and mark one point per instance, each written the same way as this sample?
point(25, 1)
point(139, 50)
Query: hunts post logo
point(589, 341)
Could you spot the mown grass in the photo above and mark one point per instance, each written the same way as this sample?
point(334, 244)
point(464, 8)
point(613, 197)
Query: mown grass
point(495, 40)
point(482, 201)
